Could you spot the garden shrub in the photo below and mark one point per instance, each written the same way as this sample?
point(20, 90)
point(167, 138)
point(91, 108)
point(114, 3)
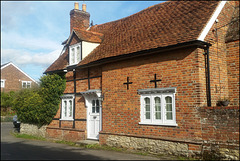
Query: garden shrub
point(7, 99)
point(38, 106)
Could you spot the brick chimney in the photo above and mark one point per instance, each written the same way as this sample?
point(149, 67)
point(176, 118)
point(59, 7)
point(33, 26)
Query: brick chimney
point(79, 18)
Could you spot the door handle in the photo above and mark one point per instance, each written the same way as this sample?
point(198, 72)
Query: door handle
point(94, 117)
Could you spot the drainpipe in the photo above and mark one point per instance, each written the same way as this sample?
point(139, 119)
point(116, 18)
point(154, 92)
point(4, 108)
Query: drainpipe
point(207, 69)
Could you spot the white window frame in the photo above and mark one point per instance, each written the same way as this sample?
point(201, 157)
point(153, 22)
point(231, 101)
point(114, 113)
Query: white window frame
point(73, 56)
point(67, 111)
point(27, 83)
point(162, 93)
point(3, 83)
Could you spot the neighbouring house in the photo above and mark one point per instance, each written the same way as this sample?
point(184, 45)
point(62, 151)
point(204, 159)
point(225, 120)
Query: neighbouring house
point(14, 79)
point(152, 81)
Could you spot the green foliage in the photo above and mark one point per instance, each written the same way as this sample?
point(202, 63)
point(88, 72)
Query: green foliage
point(26, 136)
point(7, 99)
point(39, 105)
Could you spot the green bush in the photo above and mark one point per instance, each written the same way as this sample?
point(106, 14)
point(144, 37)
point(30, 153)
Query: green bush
point(7, 99)
point(38, 106)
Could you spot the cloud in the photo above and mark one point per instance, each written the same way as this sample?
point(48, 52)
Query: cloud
point(12, 11)
point(15, 40)
point(23, 57)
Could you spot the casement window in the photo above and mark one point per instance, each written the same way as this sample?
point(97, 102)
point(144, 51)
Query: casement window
point(158, 106)
point(2, 83)
point(74, 54)
point(67, 106)
point(26, 84)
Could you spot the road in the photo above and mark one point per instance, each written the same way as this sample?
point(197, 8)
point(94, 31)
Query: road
point(13, 148)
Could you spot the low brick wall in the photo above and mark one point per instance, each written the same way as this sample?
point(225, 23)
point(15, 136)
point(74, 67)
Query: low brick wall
point(31, 129)
point(68, 134)
point(220, 132)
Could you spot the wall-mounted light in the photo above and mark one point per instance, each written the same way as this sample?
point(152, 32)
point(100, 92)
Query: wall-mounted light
point(101, 98)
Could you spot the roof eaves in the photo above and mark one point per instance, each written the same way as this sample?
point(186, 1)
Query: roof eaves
point(211, 21)
point(196, 43)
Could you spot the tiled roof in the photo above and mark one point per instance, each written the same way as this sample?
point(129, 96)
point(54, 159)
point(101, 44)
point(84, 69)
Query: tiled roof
point(161, 25)
point(60, 63)
point(89, 36)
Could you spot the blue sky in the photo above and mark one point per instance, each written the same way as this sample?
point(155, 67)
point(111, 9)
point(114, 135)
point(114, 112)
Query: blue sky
point(32, 31)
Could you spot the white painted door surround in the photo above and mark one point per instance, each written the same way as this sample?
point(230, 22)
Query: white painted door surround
point(94, 113)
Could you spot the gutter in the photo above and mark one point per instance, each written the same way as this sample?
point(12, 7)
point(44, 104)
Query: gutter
point(207, 74)
point(196, 43)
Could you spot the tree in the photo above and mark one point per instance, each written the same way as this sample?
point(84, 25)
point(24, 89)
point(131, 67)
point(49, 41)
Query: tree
point(39, 106)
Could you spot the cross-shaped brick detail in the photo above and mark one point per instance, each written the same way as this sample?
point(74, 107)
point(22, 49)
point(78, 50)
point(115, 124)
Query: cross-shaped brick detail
point(127, 83)
point(155, 80)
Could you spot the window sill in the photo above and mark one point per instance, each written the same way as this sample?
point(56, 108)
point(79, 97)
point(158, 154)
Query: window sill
point(158, 124)
point(66, 119)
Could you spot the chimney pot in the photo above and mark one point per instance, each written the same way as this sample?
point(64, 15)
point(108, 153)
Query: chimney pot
point(76, 5)
point(84, 7)
point(79, 18)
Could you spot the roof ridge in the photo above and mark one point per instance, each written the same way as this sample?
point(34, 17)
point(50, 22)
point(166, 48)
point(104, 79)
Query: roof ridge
point(94, 32)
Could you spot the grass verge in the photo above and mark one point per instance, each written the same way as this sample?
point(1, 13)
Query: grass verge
point(26, 136)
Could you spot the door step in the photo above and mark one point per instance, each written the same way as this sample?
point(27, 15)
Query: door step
point(87, 142)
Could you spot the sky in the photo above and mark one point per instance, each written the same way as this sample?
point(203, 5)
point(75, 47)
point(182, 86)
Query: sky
point(32, 31)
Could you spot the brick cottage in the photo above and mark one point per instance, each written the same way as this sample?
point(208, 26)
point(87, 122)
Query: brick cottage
point(15, 79)
point(152, 81)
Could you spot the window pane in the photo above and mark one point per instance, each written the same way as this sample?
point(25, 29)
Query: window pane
point(72, 56)
point(2, 83)
point(147, 115)
point(24, 84)
point(158, 115)
point(93, 106)
point(157, 104)
point(70, 108)
point(28, 84)
point(97, 106)
point(157, 101)
point(65, 109)
point(147, 108)
point(78, 54)
point(169, 115)
point(168, 107)
point(168, 99)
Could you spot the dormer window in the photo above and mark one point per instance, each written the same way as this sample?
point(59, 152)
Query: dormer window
point(74, 54)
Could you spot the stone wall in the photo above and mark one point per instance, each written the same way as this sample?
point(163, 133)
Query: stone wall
point(154, 146)
point(31, 129)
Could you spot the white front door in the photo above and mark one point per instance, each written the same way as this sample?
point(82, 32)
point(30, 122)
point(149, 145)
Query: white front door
point(94, 119)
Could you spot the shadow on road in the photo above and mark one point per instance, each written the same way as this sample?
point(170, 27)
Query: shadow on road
point(23, 151)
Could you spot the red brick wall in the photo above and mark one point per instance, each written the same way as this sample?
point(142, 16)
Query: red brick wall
point(13, 79)
point(233, 71)
point(121, 107)
point(218, 54)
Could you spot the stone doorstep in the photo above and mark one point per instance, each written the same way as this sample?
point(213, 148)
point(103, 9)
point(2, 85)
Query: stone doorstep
point(87, 142)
